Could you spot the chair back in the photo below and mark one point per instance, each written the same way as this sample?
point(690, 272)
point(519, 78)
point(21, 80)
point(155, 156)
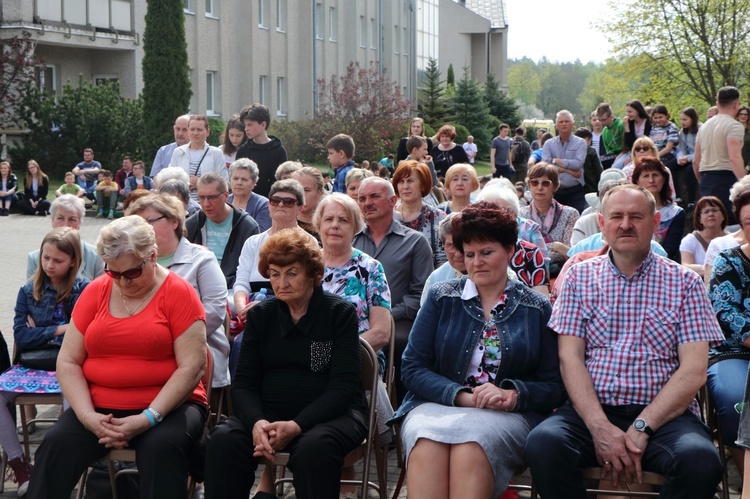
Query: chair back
point(390, 369)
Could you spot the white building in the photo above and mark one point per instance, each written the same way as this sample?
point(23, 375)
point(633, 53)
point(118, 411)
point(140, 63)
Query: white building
point(269, 51)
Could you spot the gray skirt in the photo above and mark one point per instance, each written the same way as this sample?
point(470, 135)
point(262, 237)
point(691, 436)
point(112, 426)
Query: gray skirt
point(502, 435)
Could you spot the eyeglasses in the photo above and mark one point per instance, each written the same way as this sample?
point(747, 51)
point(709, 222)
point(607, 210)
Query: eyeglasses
point(287, 202)
point(710, 211)
point(743, 114)
point(536, 182)
point(151, 222)
point(642, 149)
point(210, 199)
point(133, 273)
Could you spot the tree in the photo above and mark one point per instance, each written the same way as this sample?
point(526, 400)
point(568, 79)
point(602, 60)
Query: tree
point(450, 77)
point(166, 80)
point(86, 115)
point(17, 63)
point(364, 104)
point(523, 82)
point(471, 111)
point(431, 99)
point(500, 105)
point(698, 46)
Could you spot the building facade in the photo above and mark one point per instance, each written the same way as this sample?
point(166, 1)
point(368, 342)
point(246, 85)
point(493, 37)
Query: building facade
point(268, 51)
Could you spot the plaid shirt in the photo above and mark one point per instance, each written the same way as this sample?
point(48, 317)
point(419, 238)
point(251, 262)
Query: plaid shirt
point(633, 326)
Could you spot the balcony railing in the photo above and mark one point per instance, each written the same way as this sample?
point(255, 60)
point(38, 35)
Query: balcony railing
point(114, 15)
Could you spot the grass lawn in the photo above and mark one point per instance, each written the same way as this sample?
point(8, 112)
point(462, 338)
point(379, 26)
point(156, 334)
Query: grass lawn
point(482, 167)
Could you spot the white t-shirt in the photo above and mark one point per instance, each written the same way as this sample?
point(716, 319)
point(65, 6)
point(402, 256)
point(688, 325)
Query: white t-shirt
point(690, 244)
point(716, 246)
point(471, 151)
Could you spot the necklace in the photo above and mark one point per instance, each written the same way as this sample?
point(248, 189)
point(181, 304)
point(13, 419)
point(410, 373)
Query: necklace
point(139, 305)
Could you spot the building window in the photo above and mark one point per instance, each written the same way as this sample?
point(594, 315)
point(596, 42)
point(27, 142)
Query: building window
point(373, 34)
point(280, 96)
point(318, 21)
point(262, 89)
point(333, 24)
point(396, 39)
point(362, 32)
point(46, 78)
point(405, 39)
point(187, 7)
point(211, 93)
point(263, 13)
point(281, 15)
point(211, 8)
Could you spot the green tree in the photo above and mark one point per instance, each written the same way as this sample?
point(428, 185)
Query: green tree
point(431, 99)
point(500, 105)
point(166, 79)
point(470, 110)
point(86, 115)
point(691, 47)
point(523, 82)
point(450, 77)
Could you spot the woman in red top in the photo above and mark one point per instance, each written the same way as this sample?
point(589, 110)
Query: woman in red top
point(130, 367)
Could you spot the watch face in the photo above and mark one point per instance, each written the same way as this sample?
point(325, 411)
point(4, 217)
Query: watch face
point(639, 424)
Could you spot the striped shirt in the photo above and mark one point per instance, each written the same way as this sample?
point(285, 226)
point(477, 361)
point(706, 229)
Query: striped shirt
point(632, 326)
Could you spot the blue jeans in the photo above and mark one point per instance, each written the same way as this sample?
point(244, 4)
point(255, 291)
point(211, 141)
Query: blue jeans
point(681, 450)
point(726, 383)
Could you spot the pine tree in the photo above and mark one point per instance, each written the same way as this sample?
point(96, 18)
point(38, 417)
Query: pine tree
point(470, 110)
point(431, 99)
point(450, 78)
point(166, 79)
point(499, 104)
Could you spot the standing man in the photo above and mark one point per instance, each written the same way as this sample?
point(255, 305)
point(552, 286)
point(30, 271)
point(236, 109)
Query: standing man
point(219, 226)
point(568, 153)
point(265, 150)
point(537, 144)
point(634, 332)
point(611, 139)
point(405, 254)
point(164, 154)
point(717, 161)
point(87, 172)
point(470, 148)
point(520, 152)
point(500, 154)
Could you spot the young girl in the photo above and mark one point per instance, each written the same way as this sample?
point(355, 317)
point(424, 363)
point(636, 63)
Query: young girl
point(636, 124)
point(42, 314)
point(688, 133)
point(8, 185)
point(234, 136)
point(35, 191)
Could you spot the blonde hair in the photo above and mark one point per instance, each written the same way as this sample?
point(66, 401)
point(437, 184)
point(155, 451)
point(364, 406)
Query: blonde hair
point(165, 204)
point(458, 169)
point(130, 235)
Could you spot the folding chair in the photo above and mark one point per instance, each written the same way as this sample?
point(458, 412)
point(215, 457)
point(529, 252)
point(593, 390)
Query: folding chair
point(370, 377)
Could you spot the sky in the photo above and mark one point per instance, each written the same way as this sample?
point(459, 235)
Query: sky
point(535, 30)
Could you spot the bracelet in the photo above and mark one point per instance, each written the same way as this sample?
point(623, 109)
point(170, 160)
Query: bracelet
point(150, 417)
point(84, 420)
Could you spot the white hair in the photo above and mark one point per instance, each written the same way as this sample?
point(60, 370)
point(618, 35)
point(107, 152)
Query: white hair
point(565, 111)
point(68, 202)
point(172, 172)
point(502, 195)
point(380, 181)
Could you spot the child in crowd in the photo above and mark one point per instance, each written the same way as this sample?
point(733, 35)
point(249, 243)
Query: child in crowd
point(327, 182)
point(106, 194)
point(340, 154)
point(70, 187)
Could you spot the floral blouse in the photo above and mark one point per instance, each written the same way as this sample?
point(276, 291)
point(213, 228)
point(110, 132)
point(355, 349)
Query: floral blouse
point(427, 222)
point(485, 361)
point(728, 292)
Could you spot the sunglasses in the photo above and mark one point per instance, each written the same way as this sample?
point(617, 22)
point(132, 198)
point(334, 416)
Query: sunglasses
point(133, 273)
point(544, 183)
point(642, 149)
point(287, 202)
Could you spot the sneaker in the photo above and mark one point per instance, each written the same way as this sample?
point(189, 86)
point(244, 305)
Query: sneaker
point(21, 473)
point(111, 215)
point(100, 214)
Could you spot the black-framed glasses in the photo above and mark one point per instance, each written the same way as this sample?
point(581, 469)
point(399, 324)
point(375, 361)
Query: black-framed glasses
point(287, 202)
point(151, 222)
point(642, 149)
point(133, 273)
point(209, 199)
point(536, 182)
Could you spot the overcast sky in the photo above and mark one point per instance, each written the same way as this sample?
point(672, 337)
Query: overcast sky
point(537, 28)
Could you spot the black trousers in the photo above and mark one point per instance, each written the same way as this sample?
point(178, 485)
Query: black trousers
point(162, 454)
point(24, 206)
point(718, 183)
point(572, 196)
point(315, 459)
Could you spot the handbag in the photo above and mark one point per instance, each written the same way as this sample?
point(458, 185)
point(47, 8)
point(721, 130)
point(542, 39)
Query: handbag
point(41, 358)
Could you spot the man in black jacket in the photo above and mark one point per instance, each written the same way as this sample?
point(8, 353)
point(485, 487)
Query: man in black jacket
point(219, 226)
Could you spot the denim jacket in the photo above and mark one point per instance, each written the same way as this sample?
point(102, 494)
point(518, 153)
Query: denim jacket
point(446, 332)
point(41, 311)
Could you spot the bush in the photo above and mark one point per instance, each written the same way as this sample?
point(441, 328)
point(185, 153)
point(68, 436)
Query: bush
point(217, 126)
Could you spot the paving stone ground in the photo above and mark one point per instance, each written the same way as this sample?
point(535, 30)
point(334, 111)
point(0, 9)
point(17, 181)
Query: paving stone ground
point(23, 234)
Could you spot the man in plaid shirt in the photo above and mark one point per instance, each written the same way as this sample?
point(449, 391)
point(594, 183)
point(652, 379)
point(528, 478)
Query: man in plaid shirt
point(635, 330)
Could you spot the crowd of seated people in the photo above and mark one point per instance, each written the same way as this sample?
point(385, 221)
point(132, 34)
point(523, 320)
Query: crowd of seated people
point(531, 310)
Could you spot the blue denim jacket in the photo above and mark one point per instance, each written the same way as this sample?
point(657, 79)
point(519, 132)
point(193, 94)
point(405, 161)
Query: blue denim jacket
point(41, 311)
point(444, 336)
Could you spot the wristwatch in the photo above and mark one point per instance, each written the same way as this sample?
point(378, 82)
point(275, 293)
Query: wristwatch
point(641, 425)
point(159, 418)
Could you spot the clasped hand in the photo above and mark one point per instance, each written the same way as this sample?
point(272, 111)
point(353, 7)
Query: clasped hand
point(116, 432)
point(271, 437)
point(620, 452)
point(489, 396)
